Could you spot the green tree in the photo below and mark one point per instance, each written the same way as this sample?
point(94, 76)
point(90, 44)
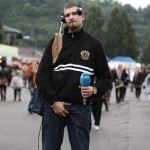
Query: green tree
point(12, 39)
point(1, 33)
point(94, 21)
point(121, 38)
point(145, 52)
point(43, 17)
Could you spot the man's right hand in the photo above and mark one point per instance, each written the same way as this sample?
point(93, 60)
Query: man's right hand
point(59, 108)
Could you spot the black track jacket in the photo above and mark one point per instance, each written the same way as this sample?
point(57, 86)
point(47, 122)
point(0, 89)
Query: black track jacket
point(81, 52)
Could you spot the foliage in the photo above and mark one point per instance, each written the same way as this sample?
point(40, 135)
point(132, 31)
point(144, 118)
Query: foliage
point(145, 55)
point(121, 39)
point(118, 28)
point(94, 26)
point(1, 33)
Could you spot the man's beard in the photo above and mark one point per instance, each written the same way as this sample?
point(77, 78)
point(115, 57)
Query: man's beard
point(73, 26)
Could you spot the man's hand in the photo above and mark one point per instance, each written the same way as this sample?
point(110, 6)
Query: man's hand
point(59, 108)
point(86, 91)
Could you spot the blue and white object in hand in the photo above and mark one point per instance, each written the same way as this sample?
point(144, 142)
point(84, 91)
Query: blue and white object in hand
point(85, 81)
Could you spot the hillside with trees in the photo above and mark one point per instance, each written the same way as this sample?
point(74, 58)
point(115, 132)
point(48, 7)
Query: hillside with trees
point(124, 30)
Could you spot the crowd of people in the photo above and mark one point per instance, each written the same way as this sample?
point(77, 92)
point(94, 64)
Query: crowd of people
point(137, 80)
point(24, 77)
point(17, 77)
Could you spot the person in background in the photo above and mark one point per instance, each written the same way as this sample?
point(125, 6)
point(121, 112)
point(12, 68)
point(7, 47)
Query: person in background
point(32, 84)
point(138, 81)
point(32, 76)
point(3, 83)
point(59, 83)
point(120, 76)
point(24, 69)
point(146, 84)
point(17, 84)
point(27, 74)
point(125, 82)
point(96, 106)
point(131, 77)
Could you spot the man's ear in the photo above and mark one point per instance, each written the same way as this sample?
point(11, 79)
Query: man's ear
point(83, 17)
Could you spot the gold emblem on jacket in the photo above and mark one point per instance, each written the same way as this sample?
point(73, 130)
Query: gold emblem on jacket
point(85, 55)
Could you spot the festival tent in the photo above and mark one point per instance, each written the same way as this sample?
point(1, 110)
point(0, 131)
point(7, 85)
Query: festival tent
point(123, 59)
point(108, 59)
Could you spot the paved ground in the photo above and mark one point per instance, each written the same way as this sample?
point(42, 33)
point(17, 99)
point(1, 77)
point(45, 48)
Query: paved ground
point(124, 127)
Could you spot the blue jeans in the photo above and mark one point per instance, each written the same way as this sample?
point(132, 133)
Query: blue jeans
point(78, 123)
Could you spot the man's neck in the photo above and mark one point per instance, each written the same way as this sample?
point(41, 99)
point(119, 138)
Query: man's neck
point(74, 30)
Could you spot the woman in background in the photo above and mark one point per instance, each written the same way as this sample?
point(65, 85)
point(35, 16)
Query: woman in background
point(17, 84)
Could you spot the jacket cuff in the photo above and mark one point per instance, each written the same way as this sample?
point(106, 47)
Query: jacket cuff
point(51, 100)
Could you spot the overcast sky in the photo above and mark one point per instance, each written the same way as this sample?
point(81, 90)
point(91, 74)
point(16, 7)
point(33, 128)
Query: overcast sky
point(135, 3)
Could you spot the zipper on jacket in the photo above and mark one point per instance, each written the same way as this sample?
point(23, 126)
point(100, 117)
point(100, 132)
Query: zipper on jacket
point(72, 35)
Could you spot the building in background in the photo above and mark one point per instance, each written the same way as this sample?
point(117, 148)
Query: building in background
point(13, 52)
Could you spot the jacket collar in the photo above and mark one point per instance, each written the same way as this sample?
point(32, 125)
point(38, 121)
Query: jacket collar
point(73, 34)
